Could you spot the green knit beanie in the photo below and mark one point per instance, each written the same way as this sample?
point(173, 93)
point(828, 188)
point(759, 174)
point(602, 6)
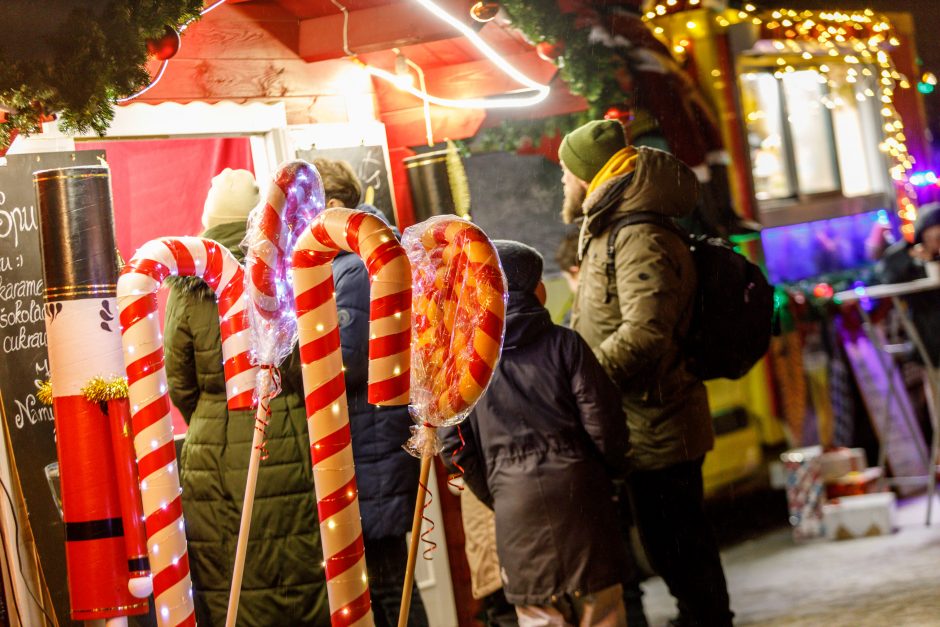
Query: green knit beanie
point(588, 148)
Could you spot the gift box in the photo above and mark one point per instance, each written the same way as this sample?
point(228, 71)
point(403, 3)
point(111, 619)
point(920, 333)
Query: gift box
point(805, 492)
point(855, 483)
point(839, 462)
point(860, 516)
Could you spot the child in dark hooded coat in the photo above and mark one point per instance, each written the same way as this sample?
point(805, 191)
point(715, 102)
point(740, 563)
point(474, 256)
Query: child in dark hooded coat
point(541, 449)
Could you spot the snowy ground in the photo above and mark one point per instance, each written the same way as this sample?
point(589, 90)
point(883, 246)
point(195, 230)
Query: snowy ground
point(886, 581)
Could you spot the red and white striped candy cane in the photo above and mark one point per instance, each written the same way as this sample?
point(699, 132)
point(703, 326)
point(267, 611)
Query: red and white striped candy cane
point(295, 197)
point(327, 414)
point(150, 405)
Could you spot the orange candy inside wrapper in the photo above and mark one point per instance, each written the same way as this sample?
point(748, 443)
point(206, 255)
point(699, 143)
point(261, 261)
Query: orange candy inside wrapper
point(458, 322)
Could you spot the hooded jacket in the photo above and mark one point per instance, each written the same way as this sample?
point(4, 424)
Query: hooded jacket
point(636, 321)
point(540, 448)
point(284, 583)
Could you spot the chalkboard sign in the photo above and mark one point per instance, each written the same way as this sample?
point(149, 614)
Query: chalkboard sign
point(370, 166)
point(518, 197)
point(29, 423)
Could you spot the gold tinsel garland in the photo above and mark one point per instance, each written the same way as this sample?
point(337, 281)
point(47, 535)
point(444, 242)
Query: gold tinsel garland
point(457, 177)
point(97, 390)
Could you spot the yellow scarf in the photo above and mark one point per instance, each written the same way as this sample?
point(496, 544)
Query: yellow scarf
point(623, 162)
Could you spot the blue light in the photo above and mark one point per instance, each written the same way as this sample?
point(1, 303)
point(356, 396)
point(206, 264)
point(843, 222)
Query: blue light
point(883, 217)
point(923, 179)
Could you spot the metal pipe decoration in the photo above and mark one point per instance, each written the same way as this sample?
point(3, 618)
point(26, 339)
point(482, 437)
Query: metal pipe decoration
point(106, 558)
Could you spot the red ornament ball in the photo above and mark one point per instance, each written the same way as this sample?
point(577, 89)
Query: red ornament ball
point(823, 290)
point(166, 46)
point(550, 51)
point(484, 11)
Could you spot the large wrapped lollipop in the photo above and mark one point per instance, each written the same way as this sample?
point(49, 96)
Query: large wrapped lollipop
point(294, 198)
point(458, 321)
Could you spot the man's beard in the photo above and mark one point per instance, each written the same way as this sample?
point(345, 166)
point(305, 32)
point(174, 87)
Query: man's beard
point(571, 208)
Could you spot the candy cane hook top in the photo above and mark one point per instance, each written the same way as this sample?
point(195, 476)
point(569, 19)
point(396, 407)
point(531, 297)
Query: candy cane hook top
point(327, 413)
point(390, 307)
point(294, 198)
point(150, 405)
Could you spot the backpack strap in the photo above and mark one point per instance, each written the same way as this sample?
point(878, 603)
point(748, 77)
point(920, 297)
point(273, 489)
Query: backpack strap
point(638, 217)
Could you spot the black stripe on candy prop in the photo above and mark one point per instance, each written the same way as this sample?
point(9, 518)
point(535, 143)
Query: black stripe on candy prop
point(94, 529)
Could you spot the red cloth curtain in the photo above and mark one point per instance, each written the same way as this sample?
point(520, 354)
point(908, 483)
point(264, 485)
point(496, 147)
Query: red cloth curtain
point(159, 187)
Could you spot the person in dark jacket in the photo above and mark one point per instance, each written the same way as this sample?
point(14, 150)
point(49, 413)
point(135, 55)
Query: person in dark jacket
point(284, 582)
point(386, 475)
point(541, 448)
point(904, 262)
point(634, 307)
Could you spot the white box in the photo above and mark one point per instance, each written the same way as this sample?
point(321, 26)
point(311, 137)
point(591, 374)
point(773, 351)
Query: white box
point(859, 516)
point(840, 462)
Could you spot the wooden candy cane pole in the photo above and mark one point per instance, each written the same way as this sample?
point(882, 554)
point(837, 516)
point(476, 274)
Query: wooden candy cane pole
point(295, 196)
point(150, 404)
point(459, 307)
point(327, 415)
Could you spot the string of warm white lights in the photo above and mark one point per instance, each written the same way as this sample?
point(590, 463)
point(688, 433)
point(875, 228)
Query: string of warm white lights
point(538, 91)
point(166, 62)
point(806, 39)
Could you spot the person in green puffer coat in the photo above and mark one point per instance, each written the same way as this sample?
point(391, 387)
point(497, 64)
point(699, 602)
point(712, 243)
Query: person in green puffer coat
point(284, 582)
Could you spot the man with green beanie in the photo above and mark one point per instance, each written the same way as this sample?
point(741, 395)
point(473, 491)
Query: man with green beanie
point(634, 307)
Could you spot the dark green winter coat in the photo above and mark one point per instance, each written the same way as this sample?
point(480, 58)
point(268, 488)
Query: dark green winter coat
point(284, 581)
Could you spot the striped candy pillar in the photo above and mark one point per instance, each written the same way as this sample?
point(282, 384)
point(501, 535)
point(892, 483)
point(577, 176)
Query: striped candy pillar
point(325, 388)
point(104, 536)
point(150, 403)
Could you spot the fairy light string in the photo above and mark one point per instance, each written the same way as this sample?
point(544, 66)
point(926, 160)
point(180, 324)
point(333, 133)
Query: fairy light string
point(843, 46)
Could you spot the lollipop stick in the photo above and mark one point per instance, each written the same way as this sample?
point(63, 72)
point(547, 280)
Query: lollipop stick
point(415, 541)
point(245, 527)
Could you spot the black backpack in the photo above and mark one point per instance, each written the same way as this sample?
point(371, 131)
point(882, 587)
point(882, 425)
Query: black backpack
point(732, 319)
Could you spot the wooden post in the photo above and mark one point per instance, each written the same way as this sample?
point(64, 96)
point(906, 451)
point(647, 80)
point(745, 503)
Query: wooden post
point(426, 460)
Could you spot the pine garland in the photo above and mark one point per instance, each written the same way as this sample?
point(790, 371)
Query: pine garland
point(97, 54)
point(587, 68)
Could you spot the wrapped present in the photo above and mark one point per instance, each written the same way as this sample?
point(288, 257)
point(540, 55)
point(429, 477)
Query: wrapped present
point(860, 516)
point(837, 463)
point(855, 483)
point(805, 493)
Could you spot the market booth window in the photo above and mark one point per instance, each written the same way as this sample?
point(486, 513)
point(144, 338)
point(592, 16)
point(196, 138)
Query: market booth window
point(807, 138)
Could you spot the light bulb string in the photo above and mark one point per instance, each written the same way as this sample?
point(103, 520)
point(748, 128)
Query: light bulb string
point(540, 91)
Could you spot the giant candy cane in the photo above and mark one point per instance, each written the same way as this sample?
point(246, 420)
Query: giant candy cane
point(150, 405)
point(327, 414)
point(294, 197)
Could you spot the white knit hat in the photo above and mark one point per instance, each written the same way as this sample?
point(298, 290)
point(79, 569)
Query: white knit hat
point(231, 198)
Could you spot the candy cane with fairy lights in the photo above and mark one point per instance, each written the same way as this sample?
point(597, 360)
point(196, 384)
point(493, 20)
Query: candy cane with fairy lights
point(294, 197)
point(325, 388)
point(150, 404)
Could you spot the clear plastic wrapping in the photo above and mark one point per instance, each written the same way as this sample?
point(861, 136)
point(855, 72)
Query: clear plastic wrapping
point(458, 322)
point(294, 198)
